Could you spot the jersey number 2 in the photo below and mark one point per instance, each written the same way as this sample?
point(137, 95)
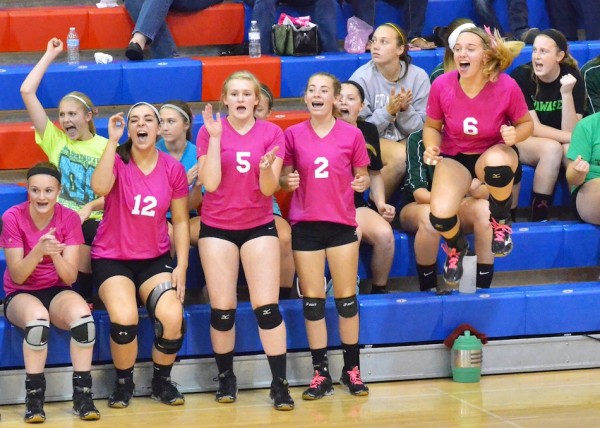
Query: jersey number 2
point(321, 171)
point(148, 209)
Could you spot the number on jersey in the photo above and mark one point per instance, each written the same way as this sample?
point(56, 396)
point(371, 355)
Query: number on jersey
point(148, 208)
point(470, 126)
point(321, 171)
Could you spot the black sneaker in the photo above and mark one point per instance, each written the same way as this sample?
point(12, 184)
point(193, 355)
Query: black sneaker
point(122, 393)
point(453, 269)
point(165, 391)
point(227, 392)
point(351, 379)
point(320, 386)
point(34, 406)
point(83, 405)
point(502, 243)
point(280, 394)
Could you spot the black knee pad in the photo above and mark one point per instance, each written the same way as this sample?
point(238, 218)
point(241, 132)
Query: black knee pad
point(83, 332)
point(347, 307)
point(314, 308)
point(123, 334)
point(268, 316)
point(498, 176)
point(36, 334)
point(222, 319)
point(443, 224)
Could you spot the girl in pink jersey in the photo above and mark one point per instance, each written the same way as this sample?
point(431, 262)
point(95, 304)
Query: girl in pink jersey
point(325, 163)
point(41, 240)
point(474, 115)
point(75, 148)
point(130, 254)
point(239, 166)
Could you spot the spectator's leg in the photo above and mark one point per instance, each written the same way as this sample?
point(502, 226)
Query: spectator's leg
point(364, 9)
point(563, 17)
point(264, 14)
point(414, 15)
point(518, 17)
point(324, 15)
point(487, 14)
point(590, 10)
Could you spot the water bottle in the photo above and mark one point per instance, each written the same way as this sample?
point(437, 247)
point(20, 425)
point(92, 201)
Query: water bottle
point(467, 356)
point(254, 40)
point(468, 282)
point(72, 47)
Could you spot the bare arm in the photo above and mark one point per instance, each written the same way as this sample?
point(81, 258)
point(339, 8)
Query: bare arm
point(209, 165)
point(289, 179)
point(577, 170)
point(181, 233)
point(545, 131)
point(103, 177)
point(30, 85)
point(270, 170)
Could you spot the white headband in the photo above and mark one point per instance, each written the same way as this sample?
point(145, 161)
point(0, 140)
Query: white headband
point(180, 110)
point(146, 104)
point(80, 100)
point(454, 35)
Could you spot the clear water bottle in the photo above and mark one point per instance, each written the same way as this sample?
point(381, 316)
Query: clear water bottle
point(254, 40)
point(72, 47)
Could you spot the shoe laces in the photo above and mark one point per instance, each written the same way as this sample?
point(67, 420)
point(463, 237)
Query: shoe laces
point(500, 230)
point(354, 375)
point(317, 380)
point(452, 254)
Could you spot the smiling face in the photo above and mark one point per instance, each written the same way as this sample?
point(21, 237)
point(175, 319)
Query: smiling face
point(546, 58)
point(143, 127)
point(74, 119)
point(469, 54)
point(385, 45)
point(320, 96)
point(173, 126)
point(241, 97)
point(349, 103)
point(43, 191)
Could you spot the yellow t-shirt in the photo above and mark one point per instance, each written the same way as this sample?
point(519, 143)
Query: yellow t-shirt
point(76, 160)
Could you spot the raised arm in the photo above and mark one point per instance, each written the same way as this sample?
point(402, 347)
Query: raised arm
point(209, 165)
point(103, 177)
point(30, 85)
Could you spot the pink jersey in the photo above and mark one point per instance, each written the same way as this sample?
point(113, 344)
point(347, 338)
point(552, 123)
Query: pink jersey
point(325, 168)
point(134, 226)
point(472, 125)
point(238, 203)
point(19, 231)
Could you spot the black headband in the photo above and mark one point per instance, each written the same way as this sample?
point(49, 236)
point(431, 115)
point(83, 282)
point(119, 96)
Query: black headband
point(361, 91)
point(558, 38)
point(44, 170)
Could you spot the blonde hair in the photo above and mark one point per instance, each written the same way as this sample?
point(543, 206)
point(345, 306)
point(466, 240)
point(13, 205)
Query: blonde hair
point(336, 85)
point(499, 55)
point(86, 104)
point(241, 75)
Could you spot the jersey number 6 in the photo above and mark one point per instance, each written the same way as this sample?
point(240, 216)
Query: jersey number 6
point(470, 126)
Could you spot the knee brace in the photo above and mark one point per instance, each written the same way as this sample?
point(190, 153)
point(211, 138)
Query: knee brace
point(36, 334)
point(268, 316)
point(168, 346)
point(123, 334)
point(222, 319)
point(83, 332)
point(314, 308)
point(347, 307)
point(498, 176)
point(443, 224)
point(155, 296)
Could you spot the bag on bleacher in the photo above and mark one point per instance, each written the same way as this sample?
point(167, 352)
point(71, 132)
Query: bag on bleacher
point(295, 36)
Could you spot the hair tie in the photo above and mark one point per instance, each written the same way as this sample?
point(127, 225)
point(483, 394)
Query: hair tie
point(81, 100)
point(395, 27)
point(493, 42)
point(454, 35)
point(146, 104)
point(179, 109)
point(36, 170)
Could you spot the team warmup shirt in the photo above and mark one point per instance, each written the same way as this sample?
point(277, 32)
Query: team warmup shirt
point(585, 142)
point(325, 168)
point(545, 98)
point(472, 125)
point(371, 136)
point(76, 160)
point(19, 231)
point(591, 77)
point(134, 226)
point(238, 203)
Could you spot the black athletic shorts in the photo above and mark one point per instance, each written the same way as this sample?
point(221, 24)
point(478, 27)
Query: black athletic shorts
point(319, 235)
point(238, 237)
point(469, 161)
point(138, 271)
point(45, 295)
point(90, 227)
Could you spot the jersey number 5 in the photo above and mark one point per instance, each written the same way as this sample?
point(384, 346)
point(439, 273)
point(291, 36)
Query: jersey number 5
point(243, 164)
point(147, 209)
point(321, 171)
point(470, 126)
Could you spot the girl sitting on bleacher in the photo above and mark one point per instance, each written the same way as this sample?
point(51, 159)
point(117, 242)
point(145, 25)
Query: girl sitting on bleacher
point(75, 148)
point(475, 114)
point(41, 240)
point(130, 255)
point(555, 95)
point(396, 94)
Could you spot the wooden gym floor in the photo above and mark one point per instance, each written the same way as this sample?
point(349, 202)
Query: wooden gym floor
point(548, 400)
